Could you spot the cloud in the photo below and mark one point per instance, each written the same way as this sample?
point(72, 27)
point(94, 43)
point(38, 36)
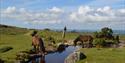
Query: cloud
point(10, 10)
point(122, 10)
point(81, 16)
point(84, 10)
point(56, 10)
point(50, 16)
point(107, 14)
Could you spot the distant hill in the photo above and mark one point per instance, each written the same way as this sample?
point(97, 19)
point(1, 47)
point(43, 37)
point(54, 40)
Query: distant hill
point(12, 30)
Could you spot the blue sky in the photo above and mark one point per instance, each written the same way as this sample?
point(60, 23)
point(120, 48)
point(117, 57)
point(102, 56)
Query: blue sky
point(55, 14)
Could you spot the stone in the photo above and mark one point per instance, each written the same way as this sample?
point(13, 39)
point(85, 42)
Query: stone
point(61, 48)
point(74, 57)
point(69, 42)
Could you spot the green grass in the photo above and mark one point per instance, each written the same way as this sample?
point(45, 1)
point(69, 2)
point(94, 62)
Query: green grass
point(17, 42)
point(58, 35)
point(122, 37)
point(5, 49)
point(20, 40)
point(105, 55)
point(12, 30)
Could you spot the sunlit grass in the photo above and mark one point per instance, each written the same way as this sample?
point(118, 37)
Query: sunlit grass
point(18, 42)
point(21, 41)
point(104, 55)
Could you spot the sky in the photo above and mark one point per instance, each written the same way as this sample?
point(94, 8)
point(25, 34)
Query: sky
point(55, 14)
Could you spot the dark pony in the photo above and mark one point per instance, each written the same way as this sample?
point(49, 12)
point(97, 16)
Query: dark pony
point(86, 40)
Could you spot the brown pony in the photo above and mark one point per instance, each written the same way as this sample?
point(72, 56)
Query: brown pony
point(86, 40)
point(37, 43)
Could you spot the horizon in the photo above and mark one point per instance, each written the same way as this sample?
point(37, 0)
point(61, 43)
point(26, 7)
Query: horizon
point(55, 14)
point(68, 29)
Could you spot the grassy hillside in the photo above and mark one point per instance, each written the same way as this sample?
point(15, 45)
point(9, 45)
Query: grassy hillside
point(13, 37)
point(11, 30)
point(17, 42)
point(20, 40)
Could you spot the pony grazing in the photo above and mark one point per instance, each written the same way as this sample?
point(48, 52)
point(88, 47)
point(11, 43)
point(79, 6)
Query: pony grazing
point(86, 40)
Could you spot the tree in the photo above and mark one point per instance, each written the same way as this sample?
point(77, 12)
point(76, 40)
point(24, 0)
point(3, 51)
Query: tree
point(107, 32)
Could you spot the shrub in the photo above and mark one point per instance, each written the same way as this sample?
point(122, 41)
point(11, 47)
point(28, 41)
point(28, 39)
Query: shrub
point(99, 42)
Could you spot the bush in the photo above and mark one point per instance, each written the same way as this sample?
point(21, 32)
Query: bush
point(99, 42)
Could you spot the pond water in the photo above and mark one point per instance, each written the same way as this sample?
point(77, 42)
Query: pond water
point(57, 57)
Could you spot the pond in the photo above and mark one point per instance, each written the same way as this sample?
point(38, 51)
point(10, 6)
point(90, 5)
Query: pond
point(57, 57)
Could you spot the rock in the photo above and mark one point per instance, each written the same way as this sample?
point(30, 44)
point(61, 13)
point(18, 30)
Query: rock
point(58, 44)
point(69, 42)
point(74, 57)
point(61, 48)
point(50, 49)
point(22, 56)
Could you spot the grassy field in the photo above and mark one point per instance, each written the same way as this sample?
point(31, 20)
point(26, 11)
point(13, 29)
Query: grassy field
point(20, 40)
point(105, 55)
point(17, 42)
point(122, 37)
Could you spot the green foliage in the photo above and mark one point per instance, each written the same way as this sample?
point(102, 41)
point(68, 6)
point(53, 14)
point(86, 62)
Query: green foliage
point(100, 42)
point(105, 36)
point(106, 31)
point(95, 34)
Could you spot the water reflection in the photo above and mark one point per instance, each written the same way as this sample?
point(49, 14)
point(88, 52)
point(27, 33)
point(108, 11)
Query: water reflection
point(57, 57)
point(38, 60)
